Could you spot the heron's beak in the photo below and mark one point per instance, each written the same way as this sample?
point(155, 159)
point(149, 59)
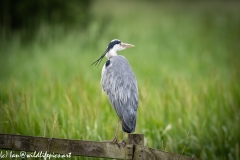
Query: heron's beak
point(125, 45)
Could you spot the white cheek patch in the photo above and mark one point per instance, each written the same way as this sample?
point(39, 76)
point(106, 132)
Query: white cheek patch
point(116, 47)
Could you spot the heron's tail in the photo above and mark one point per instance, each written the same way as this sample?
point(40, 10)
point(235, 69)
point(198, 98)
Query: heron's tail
point(127, 129)
point(129, 122)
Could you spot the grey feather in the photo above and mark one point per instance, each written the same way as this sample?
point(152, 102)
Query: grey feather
point(120, 85)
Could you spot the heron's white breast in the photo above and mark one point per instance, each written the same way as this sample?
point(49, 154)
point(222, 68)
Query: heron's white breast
point(103, 71)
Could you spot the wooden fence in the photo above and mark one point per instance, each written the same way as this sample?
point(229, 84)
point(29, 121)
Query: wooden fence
point(135, 148)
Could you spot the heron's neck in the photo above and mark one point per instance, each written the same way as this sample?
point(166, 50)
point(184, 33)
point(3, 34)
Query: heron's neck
point(111, 53)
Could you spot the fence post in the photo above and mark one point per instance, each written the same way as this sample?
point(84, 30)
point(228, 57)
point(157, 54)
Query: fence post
point(136, 139)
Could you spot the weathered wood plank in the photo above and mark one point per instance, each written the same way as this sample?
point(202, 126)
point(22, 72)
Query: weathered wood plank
point(135, 149)
point(65, 146)
point(146, 153)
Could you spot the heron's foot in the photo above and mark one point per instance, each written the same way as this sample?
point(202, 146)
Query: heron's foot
point(114, 140)
point(123, 143)
point(118, 143)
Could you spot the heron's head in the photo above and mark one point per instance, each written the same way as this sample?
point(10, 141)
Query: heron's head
point(114, 46)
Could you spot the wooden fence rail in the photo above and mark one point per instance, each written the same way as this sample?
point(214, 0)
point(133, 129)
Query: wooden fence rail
point(135, 148)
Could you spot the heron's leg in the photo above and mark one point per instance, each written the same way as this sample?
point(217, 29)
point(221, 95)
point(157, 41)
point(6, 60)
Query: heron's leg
point(123, 141)
point(116, 133)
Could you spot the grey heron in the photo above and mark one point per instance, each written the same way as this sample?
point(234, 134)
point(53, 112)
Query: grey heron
point(120, 85)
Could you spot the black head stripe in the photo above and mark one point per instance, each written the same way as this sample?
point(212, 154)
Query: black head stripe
point(112, 43)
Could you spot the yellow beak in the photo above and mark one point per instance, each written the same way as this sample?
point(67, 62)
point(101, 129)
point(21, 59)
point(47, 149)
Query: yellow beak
point(125, 45)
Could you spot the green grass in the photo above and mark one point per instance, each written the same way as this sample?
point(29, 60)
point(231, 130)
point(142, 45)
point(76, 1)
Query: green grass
point(186, 61)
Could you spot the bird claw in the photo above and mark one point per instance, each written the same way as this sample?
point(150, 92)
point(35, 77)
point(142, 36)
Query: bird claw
point(114, 140)
point(123, 143)
point(119, 144)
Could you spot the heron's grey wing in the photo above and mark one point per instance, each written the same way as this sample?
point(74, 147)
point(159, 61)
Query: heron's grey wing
point(119, 82)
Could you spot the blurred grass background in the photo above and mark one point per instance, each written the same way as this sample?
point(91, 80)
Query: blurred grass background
point(186, 61)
